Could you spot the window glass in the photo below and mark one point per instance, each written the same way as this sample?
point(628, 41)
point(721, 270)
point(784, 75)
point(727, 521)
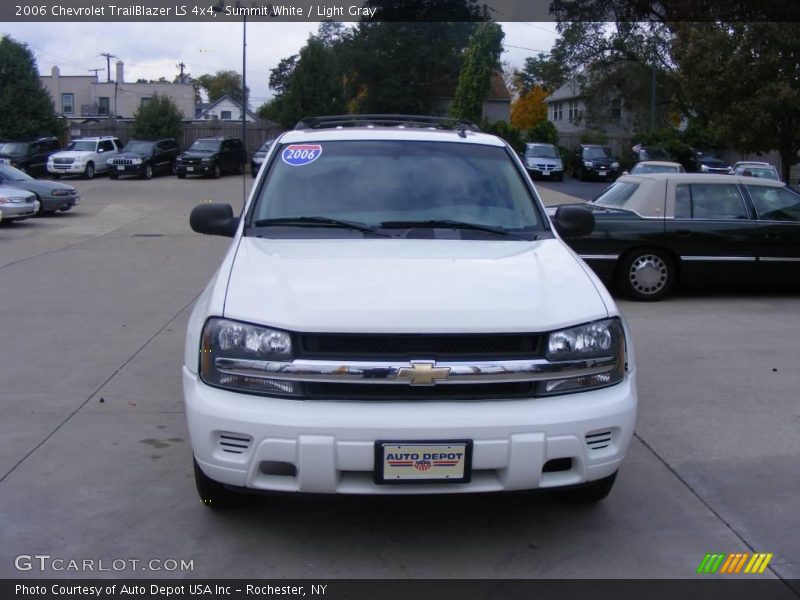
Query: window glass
point(683, 202)
point(775, 204)
point(714, 201)
point(616, 195)
point(107, 146)
point(597, 152)
point(205, 146)
point(67, 103)
point(640, 169)
point(541, 151)
point(376, 181)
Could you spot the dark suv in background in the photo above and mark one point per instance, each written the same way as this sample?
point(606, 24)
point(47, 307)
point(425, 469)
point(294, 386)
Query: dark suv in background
point(144, 158)
point(590, 161)
point(212, 156)
point(29, 156)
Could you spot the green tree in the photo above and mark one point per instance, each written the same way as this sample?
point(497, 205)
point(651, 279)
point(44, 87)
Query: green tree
point(222, 83)
point(160, 117)
point(742, 81)
point(544, 132)
point(481, 60)
point(26, 109)
point(545, 70)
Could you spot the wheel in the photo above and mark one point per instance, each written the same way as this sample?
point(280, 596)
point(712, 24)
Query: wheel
point(65, 209)
point(148, 171)
point(214, 494)
point(216, 172)
point(88, 172)
point(239, 169)
point(56, 175)
point(646, 274)
point(181, 175)
point(594, 491)
point(112, 175)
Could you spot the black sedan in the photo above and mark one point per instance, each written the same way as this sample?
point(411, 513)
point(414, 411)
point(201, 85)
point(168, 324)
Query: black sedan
point(52, 195)
point(653, 232)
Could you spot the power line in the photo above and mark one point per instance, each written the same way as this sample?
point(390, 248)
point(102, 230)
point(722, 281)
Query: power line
point(108, 64)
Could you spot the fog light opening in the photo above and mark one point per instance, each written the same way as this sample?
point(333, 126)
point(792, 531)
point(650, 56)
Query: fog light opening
point(274, 467)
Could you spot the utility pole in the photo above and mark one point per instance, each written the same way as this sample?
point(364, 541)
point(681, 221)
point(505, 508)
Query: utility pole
point(95, 71)
point(181, 66)
point(108, 64)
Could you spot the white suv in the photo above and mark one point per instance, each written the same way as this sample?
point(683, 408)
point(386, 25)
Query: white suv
point(398, 315)
point(85, 156)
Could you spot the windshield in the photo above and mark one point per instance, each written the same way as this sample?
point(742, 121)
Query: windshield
point(11, 174)
point(82, 146)
point(138, 147)
point(205, 146)
point(372, 182)
point(641, 169)
point(597, 152)
point(13, 148)
point(654, 154)
point(541, 152)
point(616, 195)
point(763, 172)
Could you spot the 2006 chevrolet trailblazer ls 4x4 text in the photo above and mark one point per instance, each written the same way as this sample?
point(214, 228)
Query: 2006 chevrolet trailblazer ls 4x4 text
point(397, 315)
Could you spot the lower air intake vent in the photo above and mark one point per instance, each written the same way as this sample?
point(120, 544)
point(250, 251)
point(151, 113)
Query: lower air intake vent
point(234, 443)
point(597, 440)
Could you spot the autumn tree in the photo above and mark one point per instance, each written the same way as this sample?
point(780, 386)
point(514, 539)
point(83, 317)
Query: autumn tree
point(26, 109)
point(529, 109)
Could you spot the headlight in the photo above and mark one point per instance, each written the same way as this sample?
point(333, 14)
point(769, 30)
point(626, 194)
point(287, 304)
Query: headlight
point(63, 192)
point(136, 161)
point(206, 159)
point(615, 165)
point(703, 168)
point(600, 339)
point(257, 160)
point(223, 338)
point(78, 160)
point(14, 199)
point(588, 163)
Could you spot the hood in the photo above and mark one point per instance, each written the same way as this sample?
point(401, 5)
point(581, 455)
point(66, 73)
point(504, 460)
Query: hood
point(73, 154)
point(410, 286)
point(712, 161)
point(198, 153)
point(132, 155)
point(10, 156)
point(542, 160)
point(40, 186)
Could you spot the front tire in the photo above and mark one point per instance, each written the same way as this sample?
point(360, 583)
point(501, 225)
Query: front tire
point(148, 171)
point(214, 494)
point(88, 172)
point(646, 274)
point(217, 171)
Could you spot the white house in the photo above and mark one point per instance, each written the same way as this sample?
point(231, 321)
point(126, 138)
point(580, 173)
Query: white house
point(224, 109)
point(566, 109)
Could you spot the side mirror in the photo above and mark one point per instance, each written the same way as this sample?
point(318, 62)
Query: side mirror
point(625, 172)
point(214, 219)
point(100, 150)
point(573, 221)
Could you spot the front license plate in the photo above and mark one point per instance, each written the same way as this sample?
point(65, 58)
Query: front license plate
point(601, 173)
point(545, 173)
point(423, 462)
point(190, 169)
point(120, 167)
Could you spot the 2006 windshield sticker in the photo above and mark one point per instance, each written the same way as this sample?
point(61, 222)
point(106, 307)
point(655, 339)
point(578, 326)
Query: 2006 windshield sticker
point(298, 155)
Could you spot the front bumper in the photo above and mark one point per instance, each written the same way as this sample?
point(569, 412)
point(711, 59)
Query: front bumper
point(51, 203)
point(330, 445)
point(73, 169)
point(14, 211)
point(126, 169)
point(545, 173)
point(602, 172)
point(201, 169)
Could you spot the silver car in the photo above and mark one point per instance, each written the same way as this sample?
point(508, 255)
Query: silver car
point(543, 161)
point(17, 204)
point(53, 195)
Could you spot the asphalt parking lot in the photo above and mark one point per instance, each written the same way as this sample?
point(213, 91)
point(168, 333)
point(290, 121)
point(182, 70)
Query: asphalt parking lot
point(95, 461)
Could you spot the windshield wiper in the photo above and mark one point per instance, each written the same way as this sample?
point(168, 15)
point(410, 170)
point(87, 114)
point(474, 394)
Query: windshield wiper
point(451, 224)
point(318, 221)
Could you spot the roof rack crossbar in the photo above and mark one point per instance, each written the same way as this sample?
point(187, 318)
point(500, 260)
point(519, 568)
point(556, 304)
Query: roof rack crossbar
point(387, 120)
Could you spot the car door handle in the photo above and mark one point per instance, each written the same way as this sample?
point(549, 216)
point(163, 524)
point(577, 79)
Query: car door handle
point(683, 233)
point(772, 236)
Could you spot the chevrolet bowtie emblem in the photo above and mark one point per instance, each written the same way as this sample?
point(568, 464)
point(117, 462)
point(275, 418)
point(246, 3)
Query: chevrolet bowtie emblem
point(422, 373)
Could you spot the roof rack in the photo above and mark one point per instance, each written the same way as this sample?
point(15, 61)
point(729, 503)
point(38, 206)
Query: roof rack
point(460, 125)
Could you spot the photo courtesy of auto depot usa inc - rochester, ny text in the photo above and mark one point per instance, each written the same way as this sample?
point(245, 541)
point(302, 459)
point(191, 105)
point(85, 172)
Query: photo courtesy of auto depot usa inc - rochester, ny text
point(167, 591)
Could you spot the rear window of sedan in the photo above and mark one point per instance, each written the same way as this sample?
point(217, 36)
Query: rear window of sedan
point(374, 181)
point(616, 195)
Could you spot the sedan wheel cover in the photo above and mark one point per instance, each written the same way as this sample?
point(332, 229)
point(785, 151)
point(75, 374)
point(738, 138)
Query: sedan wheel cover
point(648, 274)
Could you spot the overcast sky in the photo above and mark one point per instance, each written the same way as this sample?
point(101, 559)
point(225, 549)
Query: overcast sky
point(152, 50)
